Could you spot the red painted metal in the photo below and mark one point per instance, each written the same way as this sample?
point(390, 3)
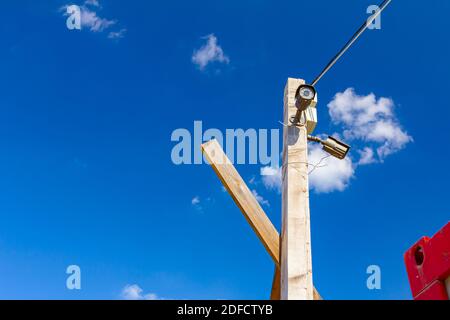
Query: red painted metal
point(428, 266)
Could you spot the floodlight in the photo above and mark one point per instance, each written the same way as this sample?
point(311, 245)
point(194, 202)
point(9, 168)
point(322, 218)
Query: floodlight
point(333, 146)
point(304, 97)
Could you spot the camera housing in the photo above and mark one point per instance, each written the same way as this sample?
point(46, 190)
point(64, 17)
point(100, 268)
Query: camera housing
point(305, 97)
point(305, 102)
point(335, 147)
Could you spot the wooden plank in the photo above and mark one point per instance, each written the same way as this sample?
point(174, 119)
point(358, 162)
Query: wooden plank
point(243, 197)
point(316, 295)
point(296, 265)
point(276, 289)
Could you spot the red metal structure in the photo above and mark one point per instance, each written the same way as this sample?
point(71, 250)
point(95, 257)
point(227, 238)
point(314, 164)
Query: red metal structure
point(428, 266)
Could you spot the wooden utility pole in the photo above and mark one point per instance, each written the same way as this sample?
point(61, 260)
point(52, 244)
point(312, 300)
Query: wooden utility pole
point(295, 261)
point(291, 251)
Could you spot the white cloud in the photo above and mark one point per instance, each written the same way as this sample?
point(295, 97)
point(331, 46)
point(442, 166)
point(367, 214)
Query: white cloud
point(366, 156)
point(390, 135)
point(134, 292)
point(271, 178)
point(332, 175)
point(200, 204)
point(260, 199)
point(117, 34)
point(93, 3)
point(91, 20)
point(195, 200)
point(210, 52)
point(151, 296)
point(369, 120)
point(197, 203)
point(353, 110)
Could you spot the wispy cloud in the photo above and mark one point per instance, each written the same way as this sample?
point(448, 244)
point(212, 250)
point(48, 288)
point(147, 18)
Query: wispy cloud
point(195, 200)
point(94, 3)
point(91, 19)
point(197, 204)
point(210, 52)
point(260, 199)
point(366, 156)
point(117, 34)
point(271, 178)
point(134, 292)
point(202, 204)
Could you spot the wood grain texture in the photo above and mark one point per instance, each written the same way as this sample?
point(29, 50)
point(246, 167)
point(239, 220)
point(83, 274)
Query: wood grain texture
point(275, 294)
point(296, 265)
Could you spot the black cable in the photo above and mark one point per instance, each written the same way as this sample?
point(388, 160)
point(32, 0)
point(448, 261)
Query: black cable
point(351, 41)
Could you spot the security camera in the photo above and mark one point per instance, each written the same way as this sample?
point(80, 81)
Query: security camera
point(304, 97)
point(333, 146)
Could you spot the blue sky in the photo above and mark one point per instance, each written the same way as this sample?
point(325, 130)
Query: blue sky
point(86, 118)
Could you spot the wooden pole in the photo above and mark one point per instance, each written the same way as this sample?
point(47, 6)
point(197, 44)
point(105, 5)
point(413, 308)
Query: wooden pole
point(296, 265)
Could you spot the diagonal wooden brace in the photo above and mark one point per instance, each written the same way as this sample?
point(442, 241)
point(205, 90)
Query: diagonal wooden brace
point(243, 197)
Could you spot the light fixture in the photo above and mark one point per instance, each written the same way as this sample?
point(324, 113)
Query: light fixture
point(333, 146)
point(304, 97)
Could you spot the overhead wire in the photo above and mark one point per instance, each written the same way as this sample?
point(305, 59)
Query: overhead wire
point(352, 40)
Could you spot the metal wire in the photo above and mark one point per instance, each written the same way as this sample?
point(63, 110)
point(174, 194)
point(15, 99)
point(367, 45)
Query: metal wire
point(315, 166)
point(351, 41)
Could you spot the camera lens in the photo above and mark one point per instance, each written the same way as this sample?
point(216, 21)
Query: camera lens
point(306, 93)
